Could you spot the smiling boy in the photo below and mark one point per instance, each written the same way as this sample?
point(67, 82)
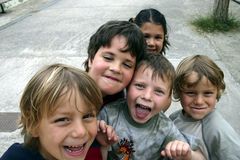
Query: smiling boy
point(143, 129)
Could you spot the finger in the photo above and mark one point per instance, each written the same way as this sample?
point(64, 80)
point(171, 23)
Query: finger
point(173, 149)
point(112, 135)
point(186, 149)
point(163, 153)
point(167, 150)
point(116, 138)
point(103, 126)
point(179, 149)
point(110, 132)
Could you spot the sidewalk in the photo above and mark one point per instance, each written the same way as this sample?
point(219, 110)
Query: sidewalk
point(21, 11)
point(40, 32)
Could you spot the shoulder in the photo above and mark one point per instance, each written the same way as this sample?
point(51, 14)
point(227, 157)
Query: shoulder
point(215, 122)
point(218, 132)
point(166, 124)
point(18, 152)
point(112, 111)
point(175, 114)
point(167, 129)
point(116, 105)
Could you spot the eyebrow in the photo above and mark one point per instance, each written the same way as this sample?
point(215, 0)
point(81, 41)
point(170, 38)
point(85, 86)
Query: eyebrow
point(131, 61)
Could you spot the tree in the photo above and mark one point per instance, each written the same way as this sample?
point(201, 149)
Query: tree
point(220, 10)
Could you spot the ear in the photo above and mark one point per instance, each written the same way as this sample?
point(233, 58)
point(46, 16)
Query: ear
point(34, 131)
point(89, 63)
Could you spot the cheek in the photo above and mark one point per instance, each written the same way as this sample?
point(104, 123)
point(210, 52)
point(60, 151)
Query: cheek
point(97, 68)
point(160, 44)
point(92, 129)
point(162, 103)
point(128, 76)
point(132, 94)
point(185, 100)
point(131, 105)
point(213, 102)
point(168, 101)
point(51, 136)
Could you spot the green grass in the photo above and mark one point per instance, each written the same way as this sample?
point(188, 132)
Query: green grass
point(209, 24)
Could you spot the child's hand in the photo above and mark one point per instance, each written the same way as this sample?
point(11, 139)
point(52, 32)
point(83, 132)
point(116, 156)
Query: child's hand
point(106, 134)
point(177, 150)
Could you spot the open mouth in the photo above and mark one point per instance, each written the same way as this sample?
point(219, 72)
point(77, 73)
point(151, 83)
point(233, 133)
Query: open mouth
point(142, 111)
point(75, 150)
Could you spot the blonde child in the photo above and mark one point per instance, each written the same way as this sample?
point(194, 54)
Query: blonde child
point(154, 27)
point(144, 131)
point(198, 86)
point(58, 115)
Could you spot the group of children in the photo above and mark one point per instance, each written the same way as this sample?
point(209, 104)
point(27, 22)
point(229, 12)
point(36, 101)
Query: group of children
point(67, 113)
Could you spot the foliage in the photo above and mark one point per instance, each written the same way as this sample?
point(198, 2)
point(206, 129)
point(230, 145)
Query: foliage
point(210, 24)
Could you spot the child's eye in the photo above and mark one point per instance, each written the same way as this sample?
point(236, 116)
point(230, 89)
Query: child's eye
point(208, 94)
point(189, 93)
point(89, 116)
point(62, 120)
point(128, 65)
point(108, 57)
point(139, 86)
point(159, 37)
point(146, 36)
point(159, 92)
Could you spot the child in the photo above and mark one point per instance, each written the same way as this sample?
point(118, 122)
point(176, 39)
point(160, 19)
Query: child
point(154, 27)
point(199, 84)
point(58, 115)
point(143, 129)
point(113, 52)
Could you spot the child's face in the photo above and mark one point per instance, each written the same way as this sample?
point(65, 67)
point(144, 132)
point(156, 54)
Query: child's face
point(69, 132)
point(146, 97)
point(197, 101)
point(154, 35)
point(111, 68)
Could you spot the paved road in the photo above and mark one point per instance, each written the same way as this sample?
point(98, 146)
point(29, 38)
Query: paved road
point(41, 32)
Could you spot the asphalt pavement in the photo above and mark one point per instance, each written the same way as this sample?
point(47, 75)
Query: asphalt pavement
point(39, 32)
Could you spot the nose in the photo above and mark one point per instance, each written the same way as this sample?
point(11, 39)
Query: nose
point(199, 99)
point(115, 67)
point(147, 95)
point(150, 41)
point(78, 129)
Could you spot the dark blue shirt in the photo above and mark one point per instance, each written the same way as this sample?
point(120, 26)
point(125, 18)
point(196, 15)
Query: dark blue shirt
point(19, 152)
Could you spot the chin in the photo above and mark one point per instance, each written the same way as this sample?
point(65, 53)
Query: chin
point(141, 121)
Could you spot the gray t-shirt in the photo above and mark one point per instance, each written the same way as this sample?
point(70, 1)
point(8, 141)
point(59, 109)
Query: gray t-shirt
point(219, 138)
point(139, 141)
point(189, 126)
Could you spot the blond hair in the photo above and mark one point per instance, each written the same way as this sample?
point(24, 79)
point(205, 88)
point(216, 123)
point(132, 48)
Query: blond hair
point(203, 66)
point(45, 88)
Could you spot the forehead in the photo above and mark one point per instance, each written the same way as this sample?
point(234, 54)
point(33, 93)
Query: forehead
point(194, 79)
point(71, 101)
point(119, 39)
point(119, 45)
point(147, 72)
point(119, 42)
point(148, 77)
point(151, 27)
